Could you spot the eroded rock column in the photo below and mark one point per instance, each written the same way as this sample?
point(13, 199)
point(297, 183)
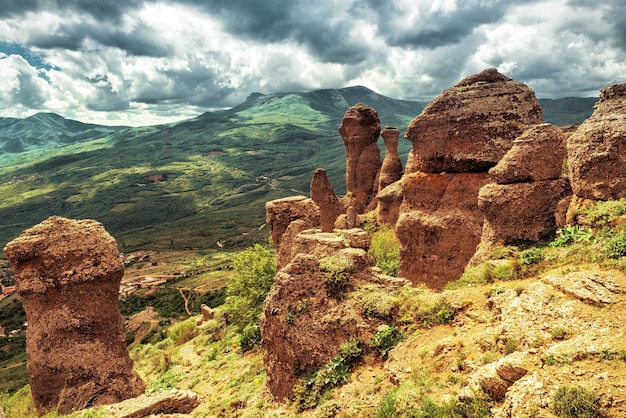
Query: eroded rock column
point(68, 274)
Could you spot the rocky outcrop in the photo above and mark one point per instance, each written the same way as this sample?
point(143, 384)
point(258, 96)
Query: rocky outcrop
point(457, 138)
point(523, 202)
point(281, 212)
point(360, 129)
point(389, 201)
point(324, 197)
point(391, 170)
point(495, 378)
point(439, 225)
point(470, 126)
point(171, 403)
point(306, 319)
point(597, 150)
point(68, 274)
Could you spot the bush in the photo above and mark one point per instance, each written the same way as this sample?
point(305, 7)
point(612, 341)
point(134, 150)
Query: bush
point(336, 270)
point(616, 246)
point(379, 305)
point(440, 313)
point(570, 234)
point(183, 331)
point(250, 337)
point(385, 248)
point(531, 256)
point(576, 402)
point(246, 291)
point(386, 338)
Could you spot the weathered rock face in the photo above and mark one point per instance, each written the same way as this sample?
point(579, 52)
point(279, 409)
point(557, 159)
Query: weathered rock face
point(391, 170)
point(470, 126)
point(457, 138)
point(537, 155)
point(597, 150)
point(68, 276)
point(389, 202)
point(439, 226)
point(305, 321)
point(324, 197)
point(281, 212)
point(524, 201)
point(360, 129)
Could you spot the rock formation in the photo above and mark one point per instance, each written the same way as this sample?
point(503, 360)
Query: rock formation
point(522, 203)
point(305, 321)
point(68, 276)
point(281, 212)
point(597, 150)
point(360, 129)
point(470, 126)
point(391, 170)
point(324, 197)
point(457, 138)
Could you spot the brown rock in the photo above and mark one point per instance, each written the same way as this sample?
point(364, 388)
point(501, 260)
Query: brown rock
point(324, 197)
point(535, 156)
point(597, 150)
point(68, 276)
point(284, 253)
point(207, 313)
point(281, 212)
point(470, 126)
point(435, 248)
point(439, 225)
point(391, 170)
point(389, 201)
point(360, 129)
point(522, 211)
point(173, 402)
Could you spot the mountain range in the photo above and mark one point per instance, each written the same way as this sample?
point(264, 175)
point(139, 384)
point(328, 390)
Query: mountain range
point(198, 183)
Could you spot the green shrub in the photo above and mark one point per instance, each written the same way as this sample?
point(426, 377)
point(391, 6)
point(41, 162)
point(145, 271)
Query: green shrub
point(559, 333)
point(385, 248)
point(246, 291)
point(531, 256)
point(379, 305)
point(602, 213)
point(570, 234)
point(576, 402)
point(308, 391)
point(250, 337)
point(336, 270)
point(440, 313)
point(616, 246)
point(386, 338)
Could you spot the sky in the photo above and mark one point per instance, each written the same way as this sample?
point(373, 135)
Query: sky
point(143, 62)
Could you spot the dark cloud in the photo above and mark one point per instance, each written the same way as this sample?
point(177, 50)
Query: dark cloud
point(433, 29)
point(315, 25)
point(100, 9)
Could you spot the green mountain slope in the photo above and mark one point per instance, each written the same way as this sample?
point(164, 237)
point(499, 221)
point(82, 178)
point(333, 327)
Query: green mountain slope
point(194, 183)
point(44, 130)
point(200, 183)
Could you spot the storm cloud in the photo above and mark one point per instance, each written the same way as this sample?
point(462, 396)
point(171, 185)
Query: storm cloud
point(149, 61)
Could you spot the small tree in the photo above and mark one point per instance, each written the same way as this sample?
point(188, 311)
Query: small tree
point(246, 291)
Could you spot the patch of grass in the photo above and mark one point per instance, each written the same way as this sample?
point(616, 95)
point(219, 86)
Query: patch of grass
point(570, 234)
point(576, 402)
point(616, 246)
point(531, 256)
point(380, 305)
point(559, 333)
point(336, 269)
point(440, 313)
point(385, 248)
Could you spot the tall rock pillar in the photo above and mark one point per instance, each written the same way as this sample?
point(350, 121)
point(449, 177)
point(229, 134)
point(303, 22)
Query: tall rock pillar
point(68, 275)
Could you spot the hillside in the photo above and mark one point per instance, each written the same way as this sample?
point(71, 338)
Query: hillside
point(189, 184)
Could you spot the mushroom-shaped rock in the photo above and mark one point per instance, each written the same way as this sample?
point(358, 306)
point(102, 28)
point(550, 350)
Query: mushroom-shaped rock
point(391, 170)
point(68, 275)
point(470, 126)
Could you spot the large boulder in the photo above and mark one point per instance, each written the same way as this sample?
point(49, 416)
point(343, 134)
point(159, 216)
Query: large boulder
point(470, 126)
point(281, 212)
point(597, 150)
point(537, 155)
point(68, 275)
point(360, 129)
